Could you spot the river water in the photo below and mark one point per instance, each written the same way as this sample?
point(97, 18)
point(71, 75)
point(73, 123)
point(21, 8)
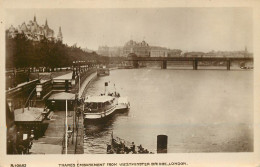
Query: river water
point(199, 111)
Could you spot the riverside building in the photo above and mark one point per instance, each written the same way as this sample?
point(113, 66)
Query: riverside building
point(140, 49)
point(33, 31)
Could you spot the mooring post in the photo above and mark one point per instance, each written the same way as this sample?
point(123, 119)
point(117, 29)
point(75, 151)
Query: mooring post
point(228, 64)
point(135, 64)
point(195, 64)
point(164, 64)
point(162, 142)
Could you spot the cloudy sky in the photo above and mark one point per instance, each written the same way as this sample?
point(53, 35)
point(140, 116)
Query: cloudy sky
point(189, 29)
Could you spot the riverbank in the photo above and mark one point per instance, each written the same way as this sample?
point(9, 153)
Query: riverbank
point(86, 83)
point(85, 78)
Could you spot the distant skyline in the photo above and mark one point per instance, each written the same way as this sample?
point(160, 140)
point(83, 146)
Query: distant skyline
point(188, 29)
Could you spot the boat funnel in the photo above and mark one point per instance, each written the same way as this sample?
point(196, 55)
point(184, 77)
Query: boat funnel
point(106, 84)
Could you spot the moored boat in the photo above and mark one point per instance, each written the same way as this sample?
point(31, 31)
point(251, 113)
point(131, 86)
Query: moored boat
point(97, 107)
point(104, 105)
point(125, 67)
point(246, 68)
point(103, 71)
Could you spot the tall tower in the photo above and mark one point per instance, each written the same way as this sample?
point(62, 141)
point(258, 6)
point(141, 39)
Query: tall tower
point(245, 49)
point(59, 36)
point(245, 53)
point(46, 23)
point(34, 18)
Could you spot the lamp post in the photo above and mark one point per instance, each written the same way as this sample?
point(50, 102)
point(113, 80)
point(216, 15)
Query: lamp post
point(74, 117)
point(79, 84)
point(66, 131)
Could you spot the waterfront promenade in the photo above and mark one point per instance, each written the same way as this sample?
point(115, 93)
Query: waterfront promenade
point(53, 142)
point(85, 83)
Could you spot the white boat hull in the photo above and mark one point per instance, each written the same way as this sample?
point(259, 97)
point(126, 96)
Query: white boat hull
point(95, 116)
point(123, 103)
point(122, 107)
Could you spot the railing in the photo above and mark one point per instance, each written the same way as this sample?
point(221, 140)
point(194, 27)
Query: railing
point(30, 95)
point(21, 87)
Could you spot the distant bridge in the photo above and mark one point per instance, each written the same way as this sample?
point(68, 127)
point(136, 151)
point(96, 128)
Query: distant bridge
point(195, 60)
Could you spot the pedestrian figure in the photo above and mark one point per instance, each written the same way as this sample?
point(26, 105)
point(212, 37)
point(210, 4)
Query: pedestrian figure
point(18, 143)
point(141, 149)
point(133, 147)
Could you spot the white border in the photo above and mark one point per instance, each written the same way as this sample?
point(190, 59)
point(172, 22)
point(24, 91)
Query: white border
point(193, 159)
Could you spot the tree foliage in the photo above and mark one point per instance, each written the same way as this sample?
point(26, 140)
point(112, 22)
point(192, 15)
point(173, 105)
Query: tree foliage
point(21, 52)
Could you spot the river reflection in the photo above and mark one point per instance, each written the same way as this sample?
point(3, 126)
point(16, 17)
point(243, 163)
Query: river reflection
point(92, 128)
point(98, 134)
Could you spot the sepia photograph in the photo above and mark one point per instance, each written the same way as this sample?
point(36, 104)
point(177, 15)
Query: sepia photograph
point(157, 81)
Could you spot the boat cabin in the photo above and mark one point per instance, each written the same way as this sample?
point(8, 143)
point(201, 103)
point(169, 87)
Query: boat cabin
point(96, 103)
point(103, 71)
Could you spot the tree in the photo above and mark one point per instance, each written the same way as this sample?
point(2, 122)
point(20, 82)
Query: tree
point(21, 52)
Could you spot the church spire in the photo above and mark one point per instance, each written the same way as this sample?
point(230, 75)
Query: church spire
point(34, 18)
point(59, 36)
point(46, 22)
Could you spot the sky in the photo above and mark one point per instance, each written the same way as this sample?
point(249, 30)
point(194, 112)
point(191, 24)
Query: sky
point(188, 29)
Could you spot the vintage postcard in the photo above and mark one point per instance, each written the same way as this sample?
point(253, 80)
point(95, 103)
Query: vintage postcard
point(128, 83)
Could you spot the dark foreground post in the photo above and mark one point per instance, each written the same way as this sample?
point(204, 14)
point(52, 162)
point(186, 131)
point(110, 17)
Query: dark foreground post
point(228, 64)
point(195, 64)
point(164, 64)
point(135, 64)
point(162, 142)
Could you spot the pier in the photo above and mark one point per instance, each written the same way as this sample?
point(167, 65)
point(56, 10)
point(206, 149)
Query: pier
point(52, 93)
